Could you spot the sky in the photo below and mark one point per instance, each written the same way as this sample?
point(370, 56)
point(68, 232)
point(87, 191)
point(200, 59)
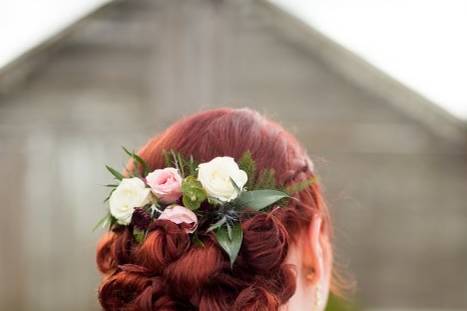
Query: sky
point(421, 43)
point(26, 23)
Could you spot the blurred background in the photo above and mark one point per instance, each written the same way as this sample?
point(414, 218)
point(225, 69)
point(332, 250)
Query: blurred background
point(376, 91)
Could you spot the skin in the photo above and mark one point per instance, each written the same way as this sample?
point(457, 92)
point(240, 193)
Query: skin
point(311, 259)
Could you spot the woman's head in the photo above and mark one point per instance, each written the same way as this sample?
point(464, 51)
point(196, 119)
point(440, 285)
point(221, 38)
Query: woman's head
point(285, 259)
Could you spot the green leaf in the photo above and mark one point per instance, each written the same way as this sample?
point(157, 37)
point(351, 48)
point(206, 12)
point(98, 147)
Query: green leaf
point(234, 184)
point(247, 164)
point(111, 185)
point(300, 186)
point(135, 171)
point(185, 165)
point(230, 245)
point(108, 196)
point(115, 173)
point(193, 193)
point(102, 223)
point(137, 160)
point(127, 151)
point(217, 224)
point(215, 201)
point(266, 180)
point(167, 158)
point(193, 198)
point(139, 235)
point(142, 162)
point(192, 166)
point(196, 240)
point(178, 162)
point(229, 231)
point(259, 199)
point(182, 164)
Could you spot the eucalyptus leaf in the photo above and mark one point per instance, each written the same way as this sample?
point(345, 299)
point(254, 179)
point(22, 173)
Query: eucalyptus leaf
point(217, 224)
point(230, 245)
point(114, 172)
point(229, 231)
point(259, 199)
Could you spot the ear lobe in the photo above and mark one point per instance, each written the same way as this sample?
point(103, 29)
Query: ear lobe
point(314, 257)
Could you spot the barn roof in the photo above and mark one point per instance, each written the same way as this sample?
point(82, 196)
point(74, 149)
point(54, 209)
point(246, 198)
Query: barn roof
point(286, 19)
point(401, 39)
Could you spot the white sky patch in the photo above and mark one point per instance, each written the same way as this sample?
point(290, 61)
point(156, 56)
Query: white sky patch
point(26, 23)
point(421, 43)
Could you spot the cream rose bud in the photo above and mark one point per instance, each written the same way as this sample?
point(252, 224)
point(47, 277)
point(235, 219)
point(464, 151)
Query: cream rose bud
point(129, 194)
point(215, 176)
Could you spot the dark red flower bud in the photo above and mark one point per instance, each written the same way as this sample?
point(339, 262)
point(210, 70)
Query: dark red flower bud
point(141, 219)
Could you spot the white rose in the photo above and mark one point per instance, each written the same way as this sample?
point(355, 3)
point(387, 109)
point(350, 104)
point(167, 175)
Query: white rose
point(215, 177)
point(129, 194)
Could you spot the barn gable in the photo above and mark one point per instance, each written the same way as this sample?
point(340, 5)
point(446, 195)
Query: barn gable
point(394, 165)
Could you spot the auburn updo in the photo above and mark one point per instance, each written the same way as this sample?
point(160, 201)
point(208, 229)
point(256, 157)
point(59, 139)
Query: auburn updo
point(166, 272)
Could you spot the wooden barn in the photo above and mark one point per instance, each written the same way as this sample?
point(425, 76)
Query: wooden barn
point(393, 164)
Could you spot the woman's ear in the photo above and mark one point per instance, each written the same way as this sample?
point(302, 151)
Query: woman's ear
point(311, 259)
point(319, 258)
point(315, 258)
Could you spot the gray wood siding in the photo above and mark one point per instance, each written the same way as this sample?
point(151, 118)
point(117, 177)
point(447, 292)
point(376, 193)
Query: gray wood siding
point(397, 190)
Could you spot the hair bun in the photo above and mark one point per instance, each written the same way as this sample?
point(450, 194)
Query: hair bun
point(195, 269)
point(165, 243)
point(256, 298)
point(104, 256)
point(120, 288)
point(264, 243)
point(154, 297)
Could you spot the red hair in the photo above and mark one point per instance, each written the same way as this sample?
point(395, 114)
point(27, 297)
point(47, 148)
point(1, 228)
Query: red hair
point(165, 272)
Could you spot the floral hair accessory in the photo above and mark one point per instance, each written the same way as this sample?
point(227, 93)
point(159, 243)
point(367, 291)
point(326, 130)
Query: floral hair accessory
point(222, 178)
point(166, 184)
point(180, 215)
point(207, 198)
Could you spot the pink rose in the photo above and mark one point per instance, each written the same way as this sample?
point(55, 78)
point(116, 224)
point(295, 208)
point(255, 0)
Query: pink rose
point(180, 215)
point(166, 184)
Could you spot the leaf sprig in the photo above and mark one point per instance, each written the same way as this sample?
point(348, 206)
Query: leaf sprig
point(223, 219)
